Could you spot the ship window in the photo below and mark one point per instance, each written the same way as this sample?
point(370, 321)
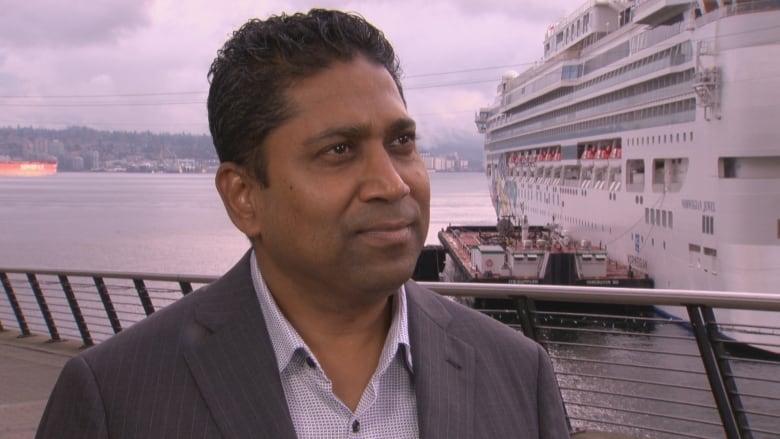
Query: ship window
point(663, 218)
point(710, 251)
point(671, 225)
point(658, 217)
point(635, 175)
point(708, 224)
point(647, 215)
point(694, 248)
point(659, 174)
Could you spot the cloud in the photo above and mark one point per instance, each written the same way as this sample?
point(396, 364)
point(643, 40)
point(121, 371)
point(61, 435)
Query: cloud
point(57, 23)
point(533, 11)
point(136, 53)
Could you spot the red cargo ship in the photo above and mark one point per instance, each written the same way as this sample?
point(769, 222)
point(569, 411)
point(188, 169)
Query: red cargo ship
point(27, 168)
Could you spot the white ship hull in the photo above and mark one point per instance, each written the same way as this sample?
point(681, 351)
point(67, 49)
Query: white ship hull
point(667, 152)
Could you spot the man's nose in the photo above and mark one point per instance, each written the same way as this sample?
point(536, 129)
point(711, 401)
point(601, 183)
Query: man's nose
point(381, 177)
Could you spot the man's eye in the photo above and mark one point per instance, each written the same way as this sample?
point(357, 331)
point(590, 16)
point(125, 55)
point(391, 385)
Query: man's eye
point(339, 149)
point(404, 140)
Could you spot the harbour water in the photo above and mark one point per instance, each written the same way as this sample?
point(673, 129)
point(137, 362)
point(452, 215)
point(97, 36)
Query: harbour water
point(161, 223)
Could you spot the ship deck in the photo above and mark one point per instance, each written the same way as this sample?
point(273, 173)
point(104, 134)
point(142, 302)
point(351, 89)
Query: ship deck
point(460, 242)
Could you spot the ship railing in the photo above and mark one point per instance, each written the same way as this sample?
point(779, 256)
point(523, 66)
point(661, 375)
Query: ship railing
point(622, 77)
point(638, 43)
point(659, 115)
point(677, 91)
point(737, 8)
point(622, 365)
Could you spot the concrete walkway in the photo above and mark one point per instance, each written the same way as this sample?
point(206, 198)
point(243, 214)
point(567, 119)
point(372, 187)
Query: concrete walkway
point(29, 367)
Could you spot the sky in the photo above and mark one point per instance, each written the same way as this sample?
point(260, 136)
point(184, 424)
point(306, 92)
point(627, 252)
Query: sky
point(139, 65)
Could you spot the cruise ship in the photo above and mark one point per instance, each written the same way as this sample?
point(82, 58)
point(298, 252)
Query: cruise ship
point(652, 127)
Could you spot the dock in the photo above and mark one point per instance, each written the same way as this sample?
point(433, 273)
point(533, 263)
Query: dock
point(29, 367)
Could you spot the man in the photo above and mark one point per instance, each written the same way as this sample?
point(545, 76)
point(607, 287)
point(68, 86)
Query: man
point(317, 331)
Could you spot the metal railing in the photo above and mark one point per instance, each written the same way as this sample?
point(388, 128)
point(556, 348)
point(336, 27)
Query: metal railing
point(622, 367)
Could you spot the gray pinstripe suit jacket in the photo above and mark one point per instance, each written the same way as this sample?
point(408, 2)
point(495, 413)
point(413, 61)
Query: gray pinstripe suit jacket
point(204, 367)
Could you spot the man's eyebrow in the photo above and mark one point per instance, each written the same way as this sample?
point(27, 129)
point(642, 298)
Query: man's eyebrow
point(346, 132)
point(402, 124)
point(357, 131)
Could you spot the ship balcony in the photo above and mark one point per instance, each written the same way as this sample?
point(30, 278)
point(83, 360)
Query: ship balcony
point(481, 119)
point(654, 12)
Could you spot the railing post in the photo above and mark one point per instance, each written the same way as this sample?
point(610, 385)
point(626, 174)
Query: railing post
point(186, 287)
point(9, 291)
point(143, 294)
point(75, 309)
point(38, 292)
point(714, 373)
point(105, 297)
point(726, 373)
point(525, 308)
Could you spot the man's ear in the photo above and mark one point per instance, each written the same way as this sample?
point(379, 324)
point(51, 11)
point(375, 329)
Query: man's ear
point(238, 190)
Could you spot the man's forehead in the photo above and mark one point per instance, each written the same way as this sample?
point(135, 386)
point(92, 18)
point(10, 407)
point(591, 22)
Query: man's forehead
point(345, 94)
point(340, 74)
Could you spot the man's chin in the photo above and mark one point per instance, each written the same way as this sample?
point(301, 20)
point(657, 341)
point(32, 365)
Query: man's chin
point(386, 281)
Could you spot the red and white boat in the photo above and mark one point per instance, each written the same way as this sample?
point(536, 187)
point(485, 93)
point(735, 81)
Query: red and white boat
point(21, 168)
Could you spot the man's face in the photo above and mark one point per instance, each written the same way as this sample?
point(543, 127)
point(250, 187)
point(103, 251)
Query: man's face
point(346, 209)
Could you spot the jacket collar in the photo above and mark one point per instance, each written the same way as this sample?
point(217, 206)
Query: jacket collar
point(444, 369)
point(233, 362)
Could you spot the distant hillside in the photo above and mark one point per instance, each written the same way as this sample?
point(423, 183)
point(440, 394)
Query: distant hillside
point(468, 146)
point(39, 143)
point(109, 144)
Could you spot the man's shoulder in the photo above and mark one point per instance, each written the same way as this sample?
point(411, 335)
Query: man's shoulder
point(464, 322)
point(161, 327)
point(169, 326)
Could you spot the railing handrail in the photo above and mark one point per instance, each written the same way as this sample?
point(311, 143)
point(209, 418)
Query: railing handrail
point(607, 294)
point(163, 277)
point(554, 293)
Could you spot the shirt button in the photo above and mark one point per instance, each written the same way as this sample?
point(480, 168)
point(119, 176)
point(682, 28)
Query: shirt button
point(355, 426)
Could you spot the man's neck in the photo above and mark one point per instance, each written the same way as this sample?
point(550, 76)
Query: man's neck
point(347, 345)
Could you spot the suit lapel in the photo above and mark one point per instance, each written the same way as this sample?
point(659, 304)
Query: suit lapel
point(232, 360)
point(444, 369)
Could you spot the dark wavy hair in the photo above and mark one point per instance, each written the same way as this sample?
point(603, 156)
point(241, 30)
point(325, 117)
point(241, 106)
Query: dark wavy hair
point(264, 58)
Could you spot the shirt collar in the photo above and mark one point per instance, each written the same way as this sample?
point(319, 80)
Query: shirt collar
point(286, 340)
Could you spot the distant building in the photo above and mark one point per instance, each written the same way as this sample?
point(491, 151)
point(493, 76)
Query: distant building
point(444, 163)
point(91, 160)
point(56, 147)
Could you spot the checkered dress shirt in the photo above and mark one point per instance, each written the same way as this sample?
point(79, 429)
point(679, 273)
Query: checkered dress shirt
point(388, 406)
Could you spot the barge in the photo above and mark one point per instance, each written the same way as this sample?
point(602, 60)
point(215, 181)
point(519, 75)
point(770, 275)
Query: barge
point(526, 254)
